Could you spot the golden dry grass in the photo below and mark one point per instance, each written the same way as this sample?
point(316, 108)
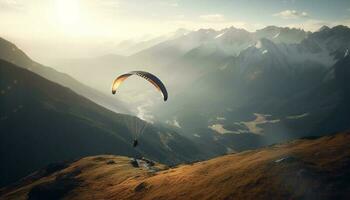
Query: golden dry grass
point(307, 169)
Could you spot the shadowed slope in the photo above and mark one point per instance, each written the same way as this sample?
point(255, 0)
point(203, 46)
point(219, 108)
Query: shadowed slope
point(11, 53)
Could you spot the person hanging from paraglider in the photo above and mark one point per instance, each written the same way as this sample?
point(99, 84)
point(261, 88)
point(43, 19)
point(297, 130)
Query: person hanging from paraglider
point(154, 81)
point(135, 143)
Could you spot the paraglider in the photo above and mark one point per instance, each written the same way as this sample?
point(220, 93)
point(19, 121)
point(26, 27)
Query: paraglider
point(146, 75)
point(136, 125)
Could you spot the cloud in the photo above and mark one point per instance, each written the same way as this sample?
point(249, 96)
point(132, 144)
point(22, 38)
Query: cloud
point(10, 5)
point(144, 113)
point(297, 116)
point(174, 122)
point(213, 17)
point(291, 14)
point(219, 128)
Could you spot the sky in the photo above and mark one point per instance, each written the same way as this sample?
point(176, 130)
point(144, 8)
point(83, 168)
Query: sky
point(39, 24)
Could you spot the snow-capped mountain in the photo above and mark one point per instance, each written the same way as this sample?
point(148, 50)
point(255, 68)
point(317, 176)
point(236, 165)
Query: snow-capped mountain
point(231, 84)
point(282, 35)
point(229, 41)
point(290, 83)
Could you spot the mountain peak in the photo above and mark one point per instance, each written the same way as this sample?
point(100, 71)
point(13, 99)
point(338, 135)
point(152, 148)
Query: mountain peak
point(323, 28)
point(234, 29)
point(340, 32)
point(10, 52)
point(334, 29)
point(282, 34)
point(341, 28)
point(270, 28)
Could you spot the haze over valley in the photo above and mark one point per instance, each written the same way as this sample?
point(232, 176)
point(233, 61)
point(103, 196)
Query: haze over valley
point(251, 97)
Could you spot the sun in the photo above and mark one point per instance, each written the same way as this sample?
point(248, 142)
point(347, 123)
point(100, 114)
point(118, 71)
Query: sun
point(68, 12)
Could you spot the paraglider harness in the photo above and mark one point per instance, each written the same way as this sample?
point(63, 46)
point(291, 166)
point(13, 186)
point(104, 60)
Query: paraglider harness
point(135, 143)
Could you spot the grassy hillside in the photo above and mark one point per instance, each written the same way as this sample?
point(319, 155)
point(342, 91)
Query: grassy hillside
point(302, 169)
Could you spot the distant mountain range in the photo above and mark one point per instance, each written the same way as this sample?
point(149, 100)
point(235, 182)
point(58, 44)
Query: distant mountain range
point(129, 47)
point(228, 41)
point(275, 91)
point(239, 90)
point(182, 54)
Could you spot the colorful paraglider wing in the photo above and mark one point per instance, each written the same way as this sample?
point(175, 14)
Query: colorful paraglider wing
point(118, 81)
point(146, 75)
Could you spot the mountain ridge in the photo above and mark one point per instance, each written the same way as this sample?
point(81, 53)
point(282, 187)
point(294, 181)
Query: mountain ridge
point(11, 53)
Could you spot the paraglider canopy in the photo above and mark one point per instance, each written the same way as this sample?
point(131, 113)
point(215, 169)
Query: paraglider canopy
point(146, 75)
